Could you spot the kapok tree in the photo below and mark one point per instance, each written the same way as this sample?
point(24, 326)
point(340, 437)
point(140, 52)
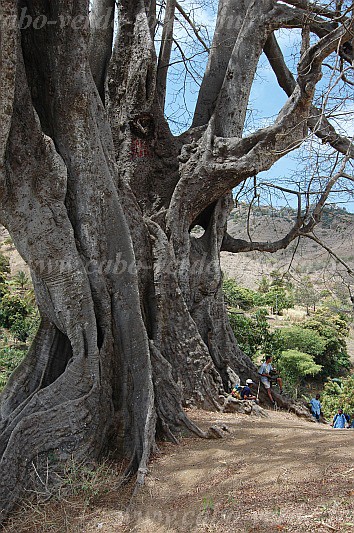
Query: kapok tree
point(100, 199)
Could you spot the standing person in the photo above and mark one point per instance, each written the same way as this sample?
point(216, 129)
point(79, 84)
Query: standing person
point(316, 407)
point(265, 373)
point(339, 420)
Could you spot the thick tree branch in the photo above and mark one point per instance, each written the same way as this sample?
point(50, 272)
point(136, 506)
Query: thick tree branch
point(303, 226)
point(165, 51)
point(218, 165)
point(311, 7)
point(228, 117)
point(260, 21)
point(8, 60)
point(230, 244)
point(317, 121)
point(231, 14)
point(101, 41)
point(133, 65)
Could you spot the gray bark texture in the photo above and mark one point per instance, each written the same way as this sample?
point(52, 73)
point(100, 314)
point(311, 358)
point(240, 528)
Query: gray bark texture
point(100, 199)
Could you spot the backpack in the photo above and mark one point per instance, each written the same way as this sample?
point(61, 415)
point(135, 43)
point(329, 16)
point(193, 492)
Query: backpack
point(236, 392)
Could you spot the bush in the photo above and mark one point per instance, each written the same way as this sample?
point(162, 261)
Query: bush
point(294, 366)
point(10, 358)
point(333, 328)
point(11, 308)
point(253, 334)
point(323, 337)
point(278, 299)
point(303, 340)
point(4, 264)
point(339, 393)
point(23, 328)
point(20, 280)
point(236, 296)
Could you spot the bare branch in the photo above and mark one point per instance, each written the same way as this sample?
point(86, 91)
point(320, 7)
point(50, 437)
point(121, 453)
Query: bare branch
point(303, 226)
point(239, 245)
point(313, 8)
point(219, 164)
point(331, 252)
point(193, 26)
point(259, 22)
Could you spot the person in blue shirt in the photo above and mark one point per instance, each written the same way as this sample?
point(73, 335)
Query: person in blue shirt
point(339, 420)
point(246, 393)
point(316, 407)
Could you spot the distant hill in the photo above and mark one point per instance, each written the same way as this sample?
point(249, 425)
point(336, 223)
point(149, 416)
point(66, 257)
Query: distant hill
point(8, 249)
point(336, 230)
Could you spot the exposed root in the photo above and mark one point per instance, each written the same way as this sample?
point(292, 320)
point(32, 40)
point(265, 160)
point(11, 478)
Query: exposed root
point(293, 406)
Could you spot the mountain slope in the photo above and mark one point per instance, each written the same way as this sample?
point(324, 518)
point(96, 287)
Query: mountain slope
point(302, 258)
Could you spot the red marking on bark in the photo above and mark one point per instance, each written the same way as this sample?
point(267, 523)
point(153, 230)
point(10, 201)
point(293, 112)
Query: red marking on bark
point(140, 148)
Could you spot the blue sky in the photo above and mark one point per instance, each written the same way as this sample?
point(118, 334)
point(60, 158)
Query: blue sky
point(266, 98)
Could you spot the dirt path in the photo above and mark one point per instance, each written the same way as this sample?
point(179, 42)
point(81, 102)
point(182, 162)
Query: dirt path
point(274, 474)
point(267, 475)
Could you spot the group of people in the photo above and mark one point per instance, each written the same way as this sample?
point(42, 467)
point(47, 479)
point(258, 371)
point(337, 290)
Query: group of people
point(268, 376)
point(340, 420)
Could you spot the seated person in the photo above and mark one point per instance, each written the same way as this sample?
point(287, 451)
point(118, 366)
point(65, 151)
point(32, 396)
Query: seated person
point(265, 371)
point(246, 393)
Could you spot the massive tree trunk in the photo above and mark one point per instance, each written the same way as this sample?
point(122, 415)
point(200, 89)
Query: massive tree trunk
point(100, 199)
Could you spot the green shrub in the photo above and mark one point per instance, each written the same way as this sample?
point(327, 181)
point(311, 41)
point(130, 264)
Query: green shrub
point(278, 299)
point(24, 328)
point(333, 328)
point(11, 307)
point(338, 393)
point(294, 366)
point(4, 264)
point(237, 296)
point(303, 340)
point(253, 334)
point(20, 280)
point(10, 358)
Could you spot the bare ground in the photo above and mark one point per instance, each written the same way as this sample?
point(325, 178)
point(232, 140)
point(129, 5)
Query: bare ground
point(277, 474)
point(267, 475)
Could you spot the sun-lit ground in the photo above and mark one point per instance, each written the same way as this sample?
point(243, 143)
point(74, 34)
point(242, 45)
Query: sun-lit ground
point(274, 474)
